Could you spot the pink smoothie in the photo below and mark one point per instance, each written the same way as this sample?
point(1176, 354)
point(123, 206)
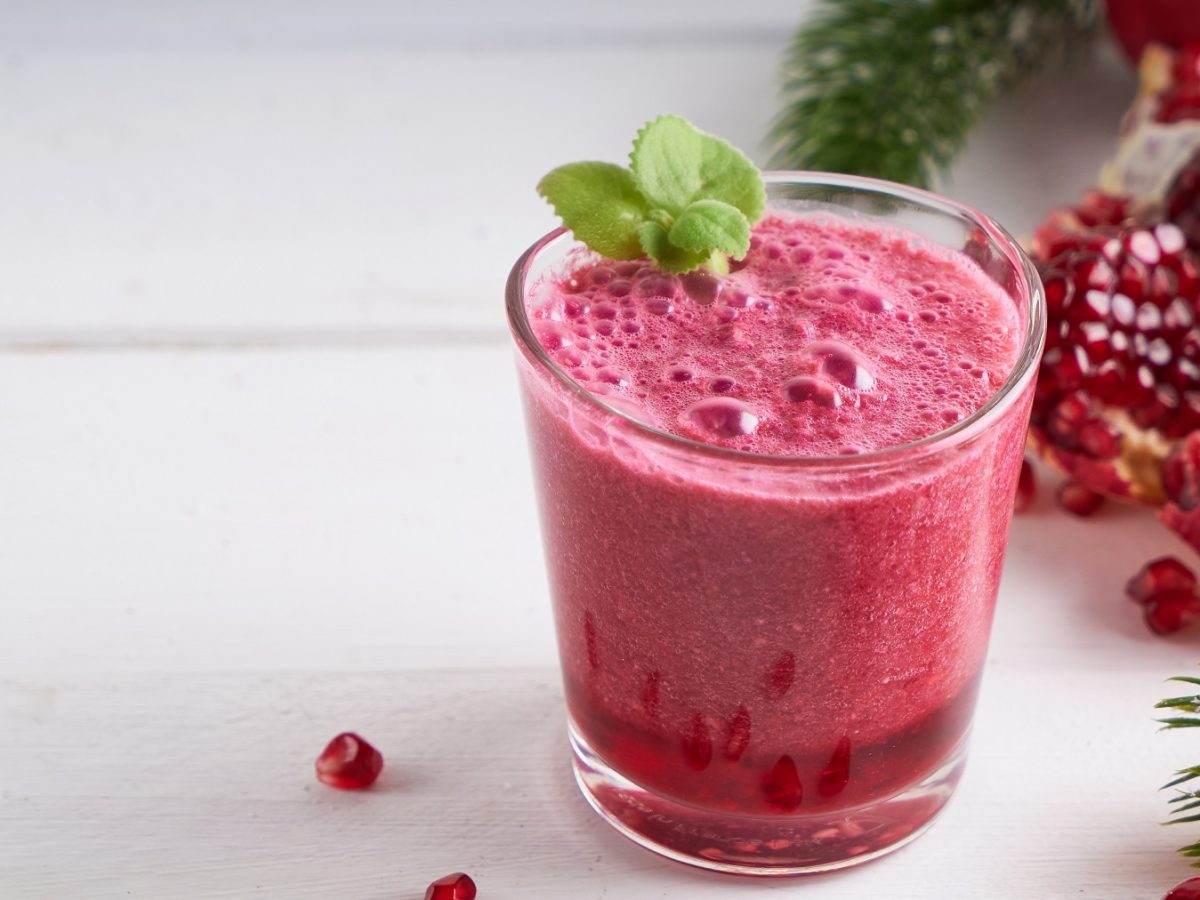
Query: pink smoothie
point(775, 638)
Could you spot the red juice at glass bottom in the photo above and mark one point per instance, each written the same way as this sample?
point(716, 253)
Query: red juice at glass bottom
point(771, 663)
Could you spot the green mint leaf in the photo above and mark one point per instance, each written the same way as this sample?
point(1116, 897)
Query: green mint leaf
point(674, 164)
point(667, 256)
point(600, 203)
point(730, 177)
point(666, 163)
point(688, 199)
point(712, 225)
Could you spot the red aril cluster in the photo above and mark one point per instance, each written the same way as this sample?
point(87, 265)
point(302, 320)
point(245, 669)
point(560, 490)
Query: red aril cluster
point(1166, 591)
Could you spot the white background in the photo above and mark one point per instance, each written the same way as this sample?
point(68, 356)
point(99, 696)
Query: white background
point(263, 476)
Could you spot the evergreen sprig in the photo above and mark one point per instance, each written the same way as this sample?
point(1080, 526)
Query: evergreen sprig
point(891, 88)
point(1184, 801)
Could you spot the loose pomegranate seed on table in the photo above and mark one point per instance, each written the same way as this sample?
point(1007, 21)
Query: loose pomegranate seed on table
point(349, 763)
point(1163, 574)
point(1079, 500)
point(1168, 611)
point(456, 886)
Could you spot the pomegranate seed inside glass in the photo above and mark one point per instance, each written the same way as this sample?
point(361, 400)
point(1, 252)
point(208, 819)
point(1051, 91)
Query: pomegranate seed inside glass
point(775, 522)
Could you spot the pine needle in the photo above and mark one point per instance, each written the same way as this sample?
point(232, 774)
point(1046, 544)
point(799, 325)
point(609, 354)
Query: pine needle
point(892, 88)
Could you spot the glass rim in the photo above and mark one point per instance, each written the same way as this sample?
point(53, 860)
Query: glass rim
point(1022, 373)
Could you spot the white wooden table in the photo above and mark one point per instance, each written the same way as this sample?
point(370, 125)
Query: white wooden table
point(263, 476)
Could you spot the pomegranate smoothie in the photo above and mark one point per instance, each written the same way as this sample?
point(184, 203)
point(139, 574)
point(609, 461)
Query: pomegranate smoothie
point(773, 584)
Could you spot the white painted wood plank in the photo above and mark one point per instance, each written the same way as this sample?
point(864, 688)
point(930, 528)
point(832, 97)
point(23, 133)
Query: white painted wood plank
point(317, 509)
point(210, 174)
point(254, 23)
point(202, 787)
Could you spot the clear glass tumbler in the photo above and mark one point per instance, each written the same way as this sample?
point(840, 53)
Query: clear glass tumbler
point(771, 663)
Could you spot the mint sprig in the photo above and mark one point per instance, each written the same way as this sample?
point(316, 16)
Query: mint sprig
point(688, 199)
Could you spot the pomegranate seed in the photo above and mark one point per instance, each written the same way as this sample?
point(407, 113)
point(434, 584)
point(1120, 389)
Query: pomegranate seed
point(1163, 574)
point(836, 774)
point(349, 763)
point(782, 673)
point(782, 786)
point(737, 737)
point(590, 640)
point(1168, 611)
point(1026, 488)
point(457, 886)
point(1079, 500)
point(650, 693)
point(1185, 890)
point(697, 744)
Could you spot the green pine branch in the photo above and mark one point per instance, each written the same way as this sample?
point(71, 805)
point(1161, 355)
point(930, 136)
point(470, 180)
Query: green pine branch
point(1184, 801)
point(892, 88)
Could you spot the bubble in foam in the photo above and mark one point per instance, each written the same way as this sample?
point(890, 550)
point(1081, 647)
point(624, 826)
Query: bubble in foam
point(842, 363)
point(657, 285)
point(722, 417)
point(659, 306)
point(928, 315)
point(631, 326)
point(721, 384)
point(701, 287)
point(619, 288)
point(868, 301)
point(604, 311)
point(679, 373)
point(605, 327)
point(601, 275)
point(806, 389)
point(553, 336)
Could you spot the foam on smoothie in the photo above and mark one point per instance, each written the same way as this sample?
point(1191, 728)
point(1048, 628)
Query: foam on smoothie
point(830, 338)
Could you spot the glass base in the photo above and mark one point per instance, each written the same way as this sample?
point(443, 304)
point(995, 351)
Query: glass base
point(762, 845)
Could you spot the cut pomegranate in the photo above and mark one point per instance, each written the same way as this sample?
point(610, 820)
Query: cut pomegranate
point(1185, 890)
point(1135, 23)
point(1120, 378)
point(1169, 611)
point(1079, 500)
point(457, 886)
point(349, 763)
point(1026, 488)
point(1181, 473)
point(1163, 574)
point(1181, 483)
